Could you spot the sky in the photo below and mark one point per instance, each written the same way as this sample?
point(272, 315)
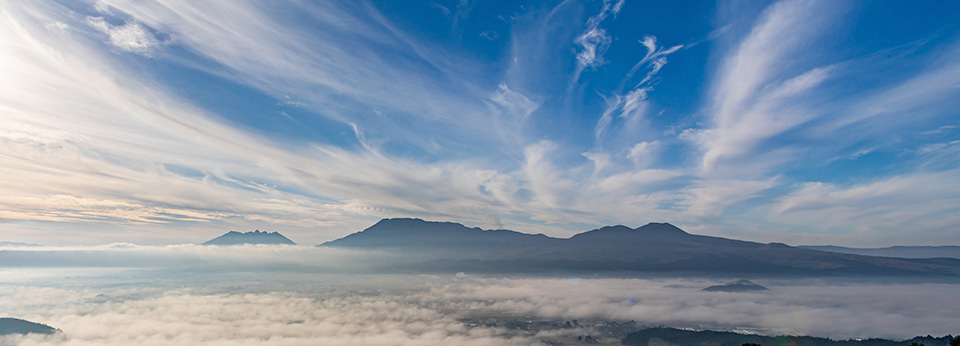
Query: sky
point(173, 121)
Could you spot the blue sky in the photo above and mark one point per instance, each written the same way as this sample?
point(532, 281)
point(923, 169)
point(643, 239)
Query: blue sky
point(805, 122)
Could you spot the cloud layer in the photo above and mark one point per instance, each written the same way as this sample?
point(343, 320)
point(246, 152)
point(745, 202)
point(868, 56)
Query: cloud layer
point(838, 309)
point(417, 310)
point(256, 319)
point(124, 255)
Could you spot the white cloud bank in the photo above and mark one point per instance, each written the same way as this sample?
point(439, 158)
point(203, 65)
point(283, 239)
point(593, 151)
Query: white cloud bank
point(838, 309)
point(191, 257)
point(424, 310)
point(182, 318)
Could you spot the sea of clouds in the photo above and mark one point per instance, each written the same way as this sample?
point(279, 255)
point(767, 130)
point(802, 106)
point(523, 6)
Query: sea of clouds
point(124, 294)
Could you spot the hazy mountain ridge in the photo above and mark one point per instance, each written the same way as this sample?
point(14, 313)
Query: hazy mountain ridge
point(255, 237)
point(17, 244)
point(673, 336)
point(397, 233)
point(655, 247)
point(741, 285)
point(946, 251)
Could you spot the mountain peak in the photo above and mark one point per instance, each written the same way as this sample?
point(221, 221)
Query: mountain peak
point(413, 232)
point(411, 220)
point(612, 229)
point(654, 247)
point(742, 285)
point(255, 237)
point(653, 229)
point(661, 227)
point(412, 225)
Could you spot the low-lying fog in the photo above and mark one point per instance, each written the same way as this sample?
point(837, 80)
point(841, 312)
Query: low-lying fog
point(125, 294)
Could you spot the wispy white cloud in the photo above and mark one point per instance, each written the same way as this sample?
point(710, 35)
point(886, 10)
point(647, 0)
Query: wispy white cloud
point(594, 40)
point(462, 10)
point(544, 177)
point(643, 153)
point(130, 37)
point(769, 86)
point(937, 131)
point(115, 148)
point(931, 93)
point(633, 105)
point(88, 138)
point(712, 197)
point(876, 209)
point(753, 93)
point(511, 110)
point(380, 68)
point(593, 43)
point(655, 59)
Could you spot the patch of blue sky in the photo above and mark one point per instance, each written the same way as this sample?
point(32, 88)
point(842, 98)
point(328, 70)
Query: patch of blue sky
point(286, 119)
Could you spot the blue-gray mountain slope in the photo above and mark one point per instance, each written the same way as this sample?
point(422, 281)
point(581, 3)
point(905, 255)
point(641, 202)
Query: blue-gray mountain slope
point(673, 336)
point(655, 247)
point(945, 251)
point(255, 237)
point(741, 285)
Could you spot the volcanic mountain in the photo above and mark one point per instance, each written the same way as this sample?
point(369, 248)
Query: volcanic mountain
point(255, 237)
point(656, 247)
point(736, 286)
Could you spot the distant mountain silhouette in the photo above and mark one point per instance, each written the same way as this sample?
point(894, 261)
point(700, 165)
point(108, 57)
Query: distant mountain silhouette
point(947, 251)
point(736, 286)
point(12, 243)
point(255, 237)
point(673, 336)
point(398, 234)
point(655, 247)
point(18, 326)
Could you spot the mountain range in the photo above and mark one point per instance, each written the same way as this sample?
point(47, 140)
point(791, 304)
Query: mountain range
point(673, 336)
point(16, 244)
point(255, 237)
point(736, 286)
point(655, 247)
point(945, 251)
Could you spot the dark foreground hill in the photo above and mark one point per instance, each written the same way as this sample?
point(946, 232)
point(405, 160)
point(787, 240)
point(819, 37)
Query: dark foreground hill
point(18, 326)
point(946, 251)
point(255, 237)
point(656, 247)
point(673, 336)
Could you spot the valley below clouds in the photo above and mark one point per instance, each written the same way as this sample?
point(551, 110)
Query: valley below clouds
point(193, 295)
